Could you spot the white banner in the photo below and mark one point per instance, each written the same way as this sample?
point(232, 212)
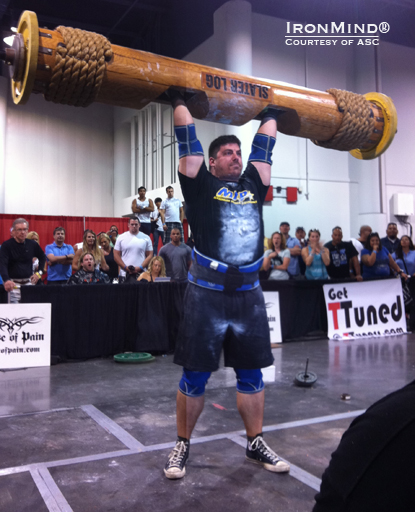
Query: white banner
point(365, 310)
point(272, 303)
point(24, 335)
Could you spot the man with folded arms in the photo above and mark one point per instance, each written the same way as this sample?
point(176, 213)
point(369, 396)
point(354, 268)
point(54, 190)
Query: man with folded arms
point(16, 256)
point(60, 256)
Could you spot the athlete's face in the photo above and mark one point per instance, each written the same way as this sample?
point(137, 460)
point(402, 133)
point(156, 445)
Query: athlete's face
point(227, 165)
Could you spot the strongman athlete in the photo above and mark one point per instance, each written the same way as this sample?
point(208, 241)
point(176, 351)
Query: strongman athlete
point(224, 305)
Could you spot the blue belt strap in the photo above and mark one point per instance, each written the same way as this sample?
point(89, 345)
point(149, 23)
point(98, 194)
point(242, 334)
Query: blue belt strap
point(220, 287)
point(207, 262)
point(205, 284)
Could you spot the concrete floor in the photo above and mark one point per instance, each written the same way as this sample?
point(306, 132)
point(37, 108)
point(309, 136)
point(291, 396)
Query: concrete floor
point(94, 436)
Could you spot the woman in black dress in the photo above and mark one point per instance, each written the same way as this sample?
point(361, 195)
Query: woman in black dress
point(108, 251)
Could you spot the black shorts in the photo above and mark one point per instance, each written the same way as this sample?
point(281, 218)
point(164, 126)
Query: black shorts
point(235, 321)
point(145, 227)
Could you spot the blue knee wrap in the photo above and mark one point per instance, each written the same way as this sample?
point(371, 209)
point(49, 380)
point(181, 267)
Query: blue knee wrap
point(262, 147)
point(249, 381)
point(193, 383)
point(187, 140)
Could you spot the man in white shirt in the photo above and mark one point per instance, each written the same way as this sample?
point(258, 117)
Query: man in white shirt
point(172, 215)
point(133, 250)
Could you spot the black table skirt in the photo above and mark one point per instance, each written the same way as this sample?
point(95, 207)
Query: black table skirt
point(302, 307)
point(102, 320)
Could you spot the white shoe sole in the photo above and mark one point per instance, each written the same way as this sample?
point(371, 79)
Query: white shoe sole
point(175, 475)
point(280, 467)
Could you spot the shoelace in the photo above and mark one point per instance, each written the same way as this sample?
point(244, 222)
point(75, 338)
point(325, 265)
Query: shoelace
point(260, 445)
point(178, 453)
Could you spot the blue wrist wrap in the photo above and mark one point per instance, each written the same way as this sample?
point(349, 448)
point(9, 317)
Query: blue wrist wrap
point(262, 147)
point(187, 140)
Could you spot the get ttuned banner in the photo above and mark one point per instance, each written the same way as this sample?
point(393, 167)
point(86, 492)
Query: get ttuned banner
point(24, 335)
point(365, 309)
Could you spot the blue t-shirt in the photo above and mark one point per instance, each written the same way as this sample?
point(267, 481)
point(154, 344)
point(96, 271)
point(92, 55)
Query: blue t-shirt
point(381, 267)
point(409, 260)
point(317, 269)
point(294, 266)
point(59, 272)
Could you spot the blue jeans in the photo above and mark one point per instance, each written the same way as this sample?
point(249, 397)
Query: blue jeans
point(156, 236)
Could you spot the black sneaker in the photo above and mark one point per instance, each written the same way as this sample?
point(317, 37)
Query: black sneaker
point(259, 452)
point(176, 463)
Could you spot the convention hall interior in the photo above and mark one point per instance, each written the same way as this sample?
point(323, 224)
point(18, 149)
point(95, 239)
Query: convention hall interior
point(87, 433)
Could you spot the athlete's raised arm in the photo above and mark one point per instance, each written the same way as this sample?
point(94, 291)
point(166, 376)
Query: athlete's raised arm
point(263, 145)
point(190, 149)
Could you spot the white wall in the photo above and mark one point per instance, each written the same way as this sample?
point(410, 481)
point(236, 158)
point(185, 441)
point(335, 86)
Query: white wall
point(58, 160)
point(122, 160)
point(122, 166)
point(398, 78)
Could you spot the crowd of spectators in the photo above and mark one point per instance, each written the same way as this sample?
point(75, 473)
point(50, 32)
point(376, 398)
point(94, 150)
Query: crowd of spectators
point(133, 256)
point(108, 257)
point(368, 256)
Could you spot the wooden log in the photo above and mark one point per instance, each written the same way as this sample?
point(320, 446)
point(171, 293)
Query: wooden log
point(135, 78)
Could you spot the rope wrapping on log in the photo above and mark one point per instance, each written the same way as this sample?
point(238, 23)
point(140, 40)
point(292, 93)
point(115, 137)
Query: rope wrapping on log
point(79, 67)
point(357, 124)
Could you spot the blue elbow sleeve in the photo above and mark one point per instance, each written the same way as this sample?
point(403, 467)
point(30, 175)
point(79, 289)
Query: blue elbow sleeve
point(187, 140)
point(262, 147)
